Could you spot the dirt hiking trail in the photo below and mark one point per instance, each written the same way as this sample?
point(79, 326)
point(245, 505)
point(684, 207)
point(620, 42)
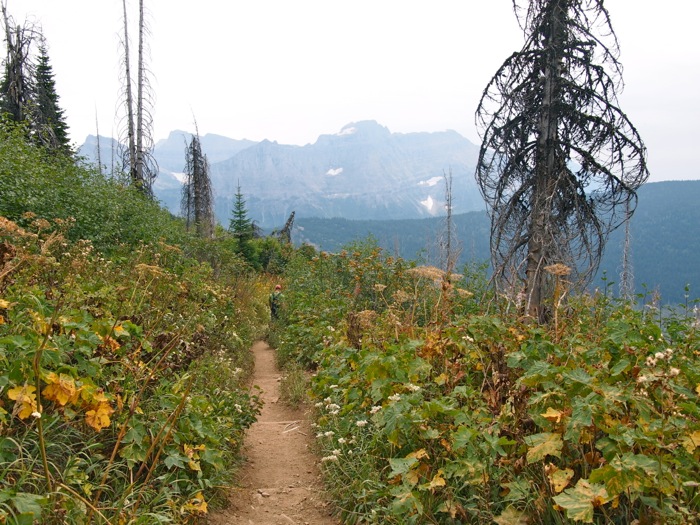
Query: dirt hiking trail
point(280, 484)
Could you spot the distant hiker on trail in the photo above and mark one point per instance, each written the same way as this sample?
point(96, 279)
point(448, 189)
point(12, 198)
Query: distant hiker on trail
point(276, 302)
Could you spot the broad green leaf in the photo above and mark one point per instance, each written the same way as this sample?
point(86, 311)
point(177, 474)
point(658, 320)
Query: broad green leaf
point(580, 501)
point(579, 375)
point(542, 445)
point(401, 465)
point(30, 504)
point(462, 436)
point(620, 366)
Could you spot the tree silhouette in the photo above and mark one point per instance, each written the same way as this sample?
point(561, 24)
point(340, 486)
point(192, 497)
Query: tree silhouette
point(50, 119)
point(560, 162)
point(197, 204)
point(138, 152)
point(28, 89)
point(241, 226)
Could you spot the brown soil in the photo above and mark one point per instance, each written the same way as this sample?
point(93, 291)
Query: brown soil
point(280, 483)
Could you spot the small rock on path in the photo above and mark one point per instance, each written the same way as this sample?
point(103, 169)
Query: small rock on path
point(280, 484)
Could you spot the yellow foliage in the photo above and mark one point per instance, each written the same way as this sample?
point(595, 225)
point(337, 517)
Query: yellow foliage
point(60, 388)
point(419, 454)
point(4, 304)
point(559, 479)
point(25, 400)
point(692, 441)
point(98, 417)
point(552, 415)
point(437, 481)
point(196, 505)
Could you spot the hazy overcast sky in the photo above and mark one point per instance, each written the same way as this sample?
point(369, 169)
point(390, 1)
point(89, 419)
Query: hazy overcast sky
point(290, 70)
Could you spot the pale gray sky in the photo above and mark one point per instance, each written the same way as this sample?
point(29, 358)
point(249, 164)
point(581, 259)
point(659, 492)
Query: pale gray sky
point(290, 70)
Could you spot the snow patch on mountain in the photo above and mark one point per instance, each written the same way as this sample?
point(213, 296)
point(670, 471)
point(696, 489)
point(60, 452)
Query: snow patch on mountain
point(181, 177)
point(430, 182)
point(334, 171)
point(347, 131)
point(429, 204)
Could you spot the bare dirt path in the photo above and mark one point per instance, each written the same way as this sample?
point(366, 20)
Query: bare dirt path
point(281, 482)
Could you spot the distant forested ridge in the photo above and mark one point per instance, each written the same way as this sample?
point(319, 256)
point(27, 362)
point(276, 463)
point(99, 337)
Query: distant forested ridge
point(665, 240)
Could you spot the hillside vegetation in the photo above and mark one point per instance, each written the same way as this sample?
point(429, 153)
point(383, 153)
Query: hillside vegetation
point(123, 350)
point(124, 364)
point(437, 403)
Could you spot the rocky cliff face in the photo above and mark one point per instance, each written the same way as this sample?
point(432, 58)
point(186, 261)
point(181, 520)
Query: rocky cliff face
point(362, 172)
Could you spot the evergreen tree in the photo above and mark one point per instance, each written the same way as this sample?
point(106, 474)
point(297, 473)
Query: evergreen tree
point(241, 226)
point(50, 124)
point(28, 90)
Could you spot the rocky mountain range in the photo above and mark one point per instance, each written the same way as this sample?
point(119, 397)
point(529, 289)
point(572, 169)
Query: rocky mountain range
point(364, 171)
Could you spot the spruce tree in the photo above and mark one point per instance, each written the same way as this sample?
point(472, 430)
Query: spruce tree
point(49, 122)
point(241, 226)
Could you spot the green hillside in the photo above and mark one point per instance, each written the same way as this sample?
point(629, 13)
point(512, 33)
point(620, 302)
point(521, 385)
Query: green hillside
point(665, 235)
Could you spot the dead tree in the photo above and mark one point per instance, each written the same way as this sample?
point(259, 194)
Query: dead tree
point(137, 154)
point(197, 203)
point(559, 159)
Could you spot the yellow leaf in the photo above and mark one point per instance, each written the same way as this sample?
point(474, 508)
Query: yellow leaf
point(4, 304)
point(98, 418)
point(196, 505)
point(692, 441)
point(418, 454)
point(60, 388)
point(437, 481)
point(412, 477)
point(441, 379)
point(697, 389)
point(552, 415)
point(559, 479)
point(194, 465)
point(25, 400)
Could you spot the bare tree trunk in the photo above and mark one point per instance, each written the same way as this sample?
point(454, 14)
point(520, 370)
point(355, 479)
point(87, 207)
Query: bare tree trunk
point(547, 165)
point(139, 102)
point(627, 273)
point(129, 107)
point(99, 149)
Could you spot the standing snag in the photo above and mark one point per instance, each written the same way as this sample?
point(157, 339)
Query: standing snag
point(560, 162)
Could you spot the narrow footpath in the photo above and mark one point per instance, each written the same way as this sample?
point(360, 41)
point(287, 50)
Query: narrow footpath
point(280, 483)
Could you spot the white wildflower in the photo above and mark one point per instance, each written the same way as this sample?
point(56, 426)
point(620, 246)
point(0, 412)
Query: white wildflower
point(375, 409)
point(660, 355)
point(337, 452)
point(395, 397)
point(330, 433)
point(342, 441)
point(36, 415)
point(651, 361)
point(361, 423)
point(468, 339)
point(412, 387)
point(673, 372)
point(328, 401)
point(333, 387)
point(319, 404)
point(668, 352)
point(329, 458)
